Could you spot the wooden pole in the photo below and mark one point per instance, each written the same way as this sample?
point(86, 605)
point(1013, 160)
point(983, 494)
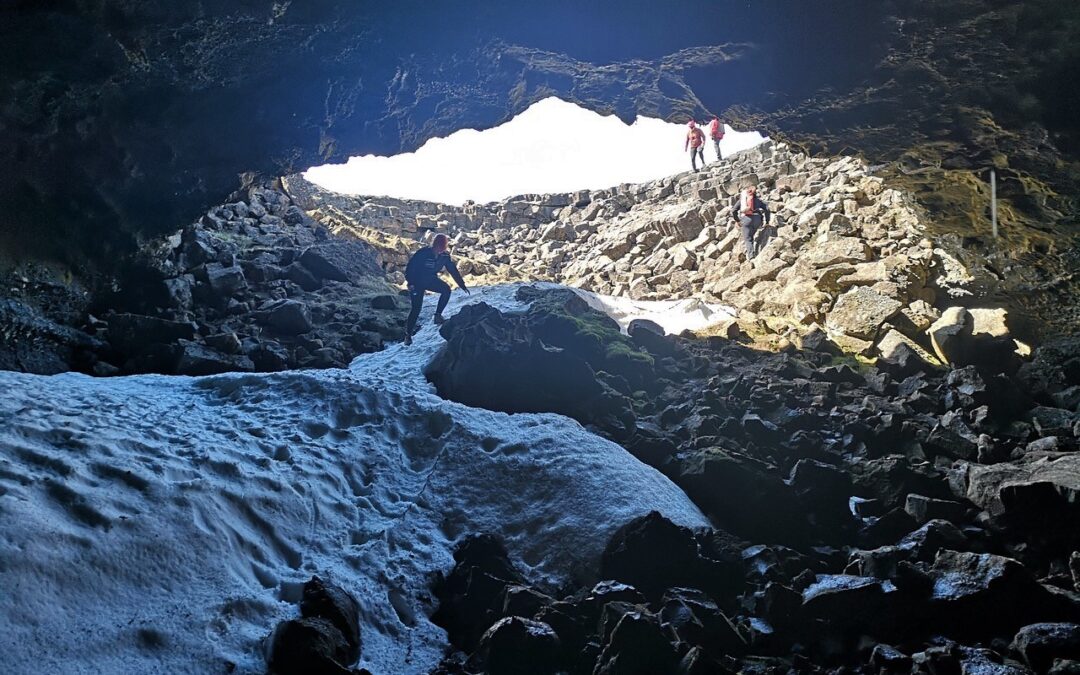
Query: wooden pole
point(993, 202)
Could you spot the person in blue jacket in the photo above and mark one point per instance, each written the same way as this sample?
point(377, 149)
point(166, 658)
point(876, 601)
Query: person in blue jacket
point(422, 275)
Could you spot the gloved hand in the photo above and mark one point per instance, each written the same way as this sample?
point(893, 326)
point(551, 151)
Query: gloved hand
point(467, 291)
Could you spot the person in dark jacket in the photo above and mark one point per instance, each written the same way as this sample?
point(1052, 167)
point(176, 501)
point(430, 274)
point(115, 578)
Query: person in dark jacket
point(749, 212)
point(422, 275)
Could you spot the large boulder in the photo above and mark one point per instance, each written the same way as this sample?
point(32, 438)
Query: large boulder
point(743, 495)
point(196, 359)
point(1040, 644)
point(948, 333)
point(630, 557)
point(968, 590)
point(861, 312)
point(518, 646)
point(290, 317)
point(544, 360)
point(131, 333)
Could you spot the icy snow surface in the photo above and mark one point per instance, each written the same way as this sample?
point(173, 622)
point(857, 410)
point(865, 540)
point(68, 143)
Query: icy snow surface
point(674, 316)
point(163, 524)
point(553, 146)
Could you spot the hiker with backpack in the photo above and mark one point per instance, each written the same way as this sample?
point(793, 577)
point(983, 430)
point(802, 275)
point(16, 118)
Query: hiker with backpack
point(716, 133)
point(422, 275)
point(695, 140)
point(749, 212)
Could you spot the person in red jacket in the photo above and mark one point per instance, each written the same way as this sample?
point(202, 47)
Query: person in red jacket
point(716, 133)
point(695, 140)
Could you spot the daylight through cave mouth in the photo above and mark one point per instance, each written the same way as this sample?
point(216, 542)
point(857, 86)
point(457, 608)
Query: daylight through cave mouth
point(553, 146)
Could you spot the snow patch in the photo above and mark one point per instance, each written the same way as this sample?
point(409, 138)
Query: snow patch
point(553, 146)
point(674, 316)
point(165, 524)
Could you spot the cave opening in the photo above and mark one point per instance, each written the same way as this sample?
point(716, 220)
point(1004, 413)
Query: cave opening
point(552, 147)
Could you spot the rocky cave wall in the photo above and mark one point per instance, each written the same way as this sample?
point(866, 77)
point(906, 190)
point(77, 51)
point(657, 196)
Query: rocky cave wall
point(124, 118)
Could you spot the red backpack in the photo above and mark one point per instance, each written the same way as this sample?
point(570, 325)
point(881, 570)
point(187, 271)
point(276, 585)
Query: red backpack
point(715, 130)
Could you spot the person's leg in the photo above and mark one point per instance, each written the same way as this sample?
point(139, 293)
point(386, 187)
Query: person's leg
point(746, 230)
point(693, 159)
point(701, 154)
point(416, 296)
point(716, 144)
point(443, 289)
point(755, 229)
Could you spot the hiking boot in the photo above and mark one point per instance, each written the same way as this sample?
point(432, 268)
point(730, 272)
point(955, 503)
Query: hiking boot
point(439, 319)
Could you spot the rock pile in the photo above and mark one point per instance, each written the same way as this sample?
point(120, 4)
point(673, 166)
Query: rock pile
point(253, 285)
point(845, 252)
point(867, 517)
point(326, 637)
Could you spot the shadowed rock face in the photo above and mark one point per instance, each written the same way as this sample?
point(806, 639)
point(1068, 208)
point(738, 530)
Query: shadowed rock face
point(130, 117)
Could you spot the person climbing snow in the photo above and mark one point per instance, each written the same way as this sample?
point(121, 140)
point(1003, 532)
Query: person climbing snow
point(749, 212)
point(695, 140)
point(422, 275)
point(716, 133)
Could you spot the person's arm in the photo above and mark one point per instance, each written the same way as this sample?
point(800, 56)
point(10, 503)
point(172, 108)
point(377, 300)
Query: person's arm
point(452, 268)
point(765, 215)
point(410, 270)
point(686, 143)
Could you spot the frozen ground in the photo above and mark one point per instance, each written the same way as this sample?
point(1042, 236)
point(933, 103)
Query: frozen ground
point(674, 316)
point(553, 146)
point(163, 525)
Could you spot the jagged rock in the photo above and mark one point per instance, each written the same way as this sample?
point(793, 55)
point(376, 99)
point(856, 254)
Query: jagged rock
point(824, 491)
point(993, 322)
point(470, 593)
point(860, 313)
point(532, 363)
point(518, 646)
point(133, 332)
point(1040, 644)
point(196, 359)
point(302, 277)
point(696, 620)
point(835, 251)
point(227, 343)
point(320, 260)
point(923, 508)
point(630, 557)
point(225, 281)
point(888, 659)
point(636, 644)
point(288, 316)
point(742, 495)
point(902, 356)
point(947, 334)
point(969, 588)
point(268, 357)
point(323, 600)
point(849, 602)
point(1053, 421)
point(308, 645)
point(178, 291)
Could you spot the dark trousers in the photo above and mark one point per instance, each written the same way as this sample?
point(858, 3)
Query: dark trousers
point(416, 295)
point(695, 153)
point(716, 144)
point(750, 226)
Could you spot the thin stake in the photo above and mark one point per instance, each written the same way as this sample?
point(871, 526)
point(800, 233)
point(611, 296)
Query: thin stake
point(993, 201)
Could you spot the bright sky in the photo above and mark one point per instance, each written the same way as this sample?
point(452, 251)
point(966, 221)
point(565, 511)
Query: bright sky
point(553, 146)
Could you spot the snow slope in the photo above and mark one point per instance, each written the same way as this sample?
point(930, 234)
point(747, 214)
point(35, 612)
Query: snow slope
point(674, 316)
point(162, 525)
point(553, 146)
